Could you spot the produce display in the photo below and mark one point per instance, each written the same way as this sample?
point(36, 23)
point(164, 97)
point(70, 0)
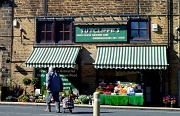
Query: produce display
point(120, 88)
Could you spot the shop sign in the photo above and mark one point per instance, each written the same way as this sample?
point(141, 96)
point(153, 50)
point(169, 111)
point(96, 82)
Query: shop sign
point(42, 74)
point(69, 78)
point(66, 83)
point(101, 33)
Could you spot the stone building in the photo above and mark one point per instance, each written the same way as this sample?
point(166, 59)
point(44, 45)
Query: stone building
point(6, 35)
point(118, 40)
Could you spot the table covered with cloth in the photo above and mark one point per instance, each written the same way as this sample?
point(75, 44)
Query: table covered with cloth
point(121, 99)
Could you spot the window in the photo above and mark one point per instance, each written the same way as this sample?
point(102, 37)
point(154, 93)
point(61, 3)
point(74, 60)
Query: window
point(53, 31)
point(64, 32)
point(139, 29)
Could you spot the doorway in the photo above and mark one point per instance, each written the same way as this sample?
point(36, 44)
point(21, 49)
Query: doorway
point(153, 87)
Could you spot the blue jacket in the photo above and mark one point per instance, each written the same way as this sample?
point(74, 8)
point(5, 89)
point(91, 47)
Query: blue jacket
point(53, 82)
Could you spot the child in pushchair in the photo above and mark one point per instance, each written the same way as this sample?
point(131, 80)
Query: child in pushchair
point(67, 103)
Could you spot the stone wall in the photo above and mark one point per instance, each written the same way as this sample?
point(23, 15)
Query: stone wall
point(5, 42)
point(82, 10)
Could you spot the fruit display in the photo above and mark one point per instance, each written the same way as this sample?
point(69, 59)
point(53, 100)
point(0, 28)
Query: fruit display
point(121, 88)
point(99, 90)
point(123, 91)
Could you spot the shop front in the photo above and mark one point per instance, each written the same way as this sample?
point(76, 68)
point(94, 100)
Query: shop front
point(139, 68)
point(64, 60)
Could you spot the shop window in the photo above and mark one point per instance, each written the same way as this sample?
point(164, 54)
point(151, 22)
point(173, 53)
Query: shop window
point(53, 31)
point(139, 30)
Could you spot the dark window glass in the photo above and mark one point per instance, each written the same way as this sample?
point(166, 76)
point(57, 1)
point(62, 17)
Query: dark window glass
point(66, 36)
point(42, 37)
point(66, 27)
point(48, 36)
point(49, 26)
point(59, 36)
point(60, 26)
point(42, 26)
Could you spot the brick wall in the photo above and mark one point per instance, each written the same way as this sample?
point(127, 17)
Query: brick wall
point(5, 41)
point(23, 45)
point(27, 10)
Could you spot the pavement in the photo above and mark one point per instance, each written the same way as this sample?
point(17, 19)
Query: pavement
point(89, 106)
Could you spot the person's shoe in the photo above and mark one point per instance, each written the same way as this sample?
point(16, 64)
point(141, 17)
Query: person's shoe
point(57, 111)
point(47, 110)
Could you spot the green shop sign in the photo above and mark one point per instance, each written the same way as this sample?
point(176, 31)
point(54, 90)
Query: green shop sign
point(66, 83)
point(69, 78)
point(101, 33)
point(42, 75)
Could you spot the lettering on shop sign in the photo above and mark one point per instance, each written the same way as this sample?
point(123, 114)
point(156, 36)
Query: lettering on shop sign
point(69, 78)
point(68, 73)
point(66, 83)
point(101, 33)
point(66, 88)
point(100, 30)
point(41, 73)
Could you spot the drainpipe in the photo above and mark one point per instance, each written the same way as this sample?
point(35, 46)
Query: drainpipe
point(12, 27)
point(168, 52)
point(178, 27)
point(178, 53)
point(137, 7)
point(170, 38)
point(168, 47)
point(45, 7)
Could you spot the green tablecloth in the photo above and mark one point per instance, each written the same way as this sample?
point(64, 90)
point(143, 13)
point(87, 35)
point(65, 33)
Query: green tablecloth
point(102, 99)
point(118, 100)
point(136, 100)
point(121, 100)
point(105, 99)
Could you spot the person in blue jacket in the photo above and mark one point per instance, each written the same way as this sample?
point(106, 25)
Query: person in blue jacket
point(54, 85)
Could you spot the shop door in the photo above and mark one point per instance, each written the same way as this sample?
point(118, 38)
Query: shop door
point(152, 86)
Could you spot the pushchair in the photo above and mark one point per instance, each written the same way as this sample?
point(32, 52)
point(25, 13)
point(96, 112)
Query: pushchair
point(67, 103)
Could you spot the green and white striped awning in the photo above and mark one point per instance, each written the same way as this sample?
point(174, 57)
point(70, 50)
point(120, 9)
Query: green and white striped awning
point(131, 57)
point(63, 57)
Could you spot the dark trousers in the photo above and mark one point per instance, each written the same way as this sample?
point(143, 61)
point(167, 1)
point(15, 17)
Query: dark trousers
point(55, 96)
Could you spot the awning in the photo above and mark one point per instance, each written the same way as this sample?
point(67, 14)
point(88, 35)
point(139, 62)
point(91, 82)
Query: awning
point(131, 57)
point(64, 57)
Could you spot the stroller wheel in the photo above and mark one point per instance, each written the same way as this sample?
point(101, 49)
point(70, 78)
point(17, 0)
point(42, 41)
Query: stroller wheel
point(70, 110)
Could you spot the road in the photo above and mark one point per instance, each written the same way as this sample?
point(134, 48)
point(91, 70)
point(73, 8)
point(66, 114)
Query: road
point(23, 110)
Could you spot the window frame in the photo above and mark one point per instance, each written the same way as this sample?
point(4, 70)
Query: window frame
point(147, 38)
point(54, 28)
point(64, 31)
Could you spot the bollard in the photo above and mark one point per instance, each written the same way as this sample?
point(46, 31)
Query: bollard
point(96, 106)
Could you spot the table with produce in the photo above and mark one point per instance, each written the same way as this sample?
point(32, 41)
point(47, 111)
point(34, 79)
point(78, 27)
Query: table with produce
point(120, 93)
